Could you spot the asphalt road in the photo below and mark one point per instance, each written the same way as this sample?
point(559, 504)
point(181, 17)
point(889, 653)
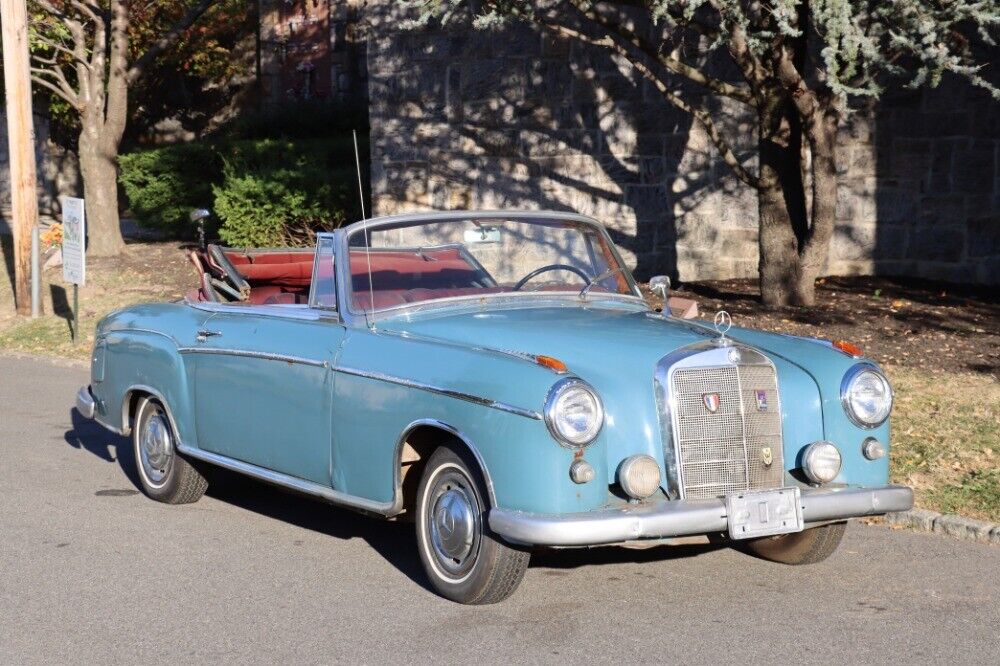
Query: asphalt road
point(92, 571)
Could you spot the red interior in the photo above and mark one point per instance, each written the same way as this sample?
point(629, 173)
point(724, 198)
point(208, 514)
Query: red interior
point(397, 276)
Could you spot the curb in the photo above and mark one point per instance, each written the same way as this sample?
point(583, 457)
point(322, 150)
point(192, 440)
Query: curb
point(959, 527)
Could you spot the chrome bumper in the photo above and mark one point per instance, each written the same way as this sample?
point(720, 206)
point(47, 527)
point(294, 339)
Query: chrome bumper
point(682, 518)
point(85, 402)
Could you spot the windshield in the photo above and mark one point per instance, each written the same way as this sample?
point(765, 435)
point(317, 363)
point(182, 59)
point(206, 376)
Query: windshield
point(431, 260)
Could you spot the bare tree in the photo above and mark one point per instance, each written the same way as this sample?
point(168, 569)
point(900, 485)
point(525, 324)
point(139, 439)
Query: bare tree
point(83, 56)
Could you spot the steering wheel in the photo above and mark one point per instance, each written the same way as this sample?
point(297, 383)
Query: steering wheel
point(550, 267)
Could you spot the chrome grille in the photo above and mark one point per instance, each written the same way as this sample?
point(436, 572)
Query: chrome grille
point(724, 452)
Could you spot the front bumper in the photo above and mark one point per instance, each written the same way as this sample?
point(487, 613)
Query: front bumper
point(85, 402)
point(682, 518)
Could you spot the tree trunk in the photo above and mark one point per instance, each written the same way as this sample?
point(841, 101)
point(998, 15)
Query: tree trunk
point(822, 132)
point(781, 206)
point(100, 191)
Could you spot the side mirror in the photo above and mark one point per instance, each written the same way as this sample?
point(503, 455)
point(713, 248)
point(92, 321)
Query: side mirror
point(198, 216)
point(660, 285)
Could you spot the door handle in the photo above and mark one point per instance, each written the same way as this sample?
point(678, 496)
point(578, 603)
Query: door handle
point(206, 334)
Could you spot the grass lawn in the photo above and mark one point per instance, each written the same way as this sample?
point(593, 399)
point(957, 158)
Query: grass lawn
point(941, 351)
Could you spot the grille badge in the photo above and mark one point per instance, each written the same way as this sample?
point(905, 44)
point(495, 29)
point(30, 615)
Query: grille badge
point(761, 396)
point(766, 456)
point(711, 401)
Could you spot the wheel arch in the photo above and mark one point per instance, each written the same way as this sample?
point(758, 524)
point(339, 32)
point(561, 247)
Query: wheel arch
point(130, 405)
point(415, 445)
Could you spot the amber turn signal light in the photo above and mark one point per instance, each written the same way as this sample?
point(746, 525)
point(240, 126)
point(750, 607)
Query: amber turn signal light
point(551, 363)
point(848, 348)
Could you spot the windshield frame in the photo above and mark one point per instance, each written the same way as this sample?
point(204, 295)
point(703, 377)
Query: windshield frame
point(412, 219)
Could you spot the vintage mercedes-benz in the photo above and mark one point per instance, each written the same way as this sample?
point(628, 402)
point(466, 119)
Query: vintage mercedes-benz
point(498, 378)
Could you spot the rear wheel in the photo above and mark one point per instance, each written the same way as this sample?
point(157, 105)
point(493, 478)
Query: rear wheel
point(164, 474)
point(464, 560)
point(805, 547)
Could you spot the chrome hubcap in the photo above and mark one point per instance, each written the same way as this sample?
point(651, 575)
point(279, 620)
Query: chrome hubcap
point(454, 523)
point(156, 450)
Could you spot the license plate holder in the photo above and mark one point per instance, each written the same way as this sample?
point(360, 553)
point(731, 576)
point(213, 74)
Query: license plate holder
point(763, 513)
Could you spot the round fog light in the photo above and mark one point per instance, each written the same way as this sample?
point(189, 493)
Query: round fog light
point(821, 462)
point(639, 476)
point(873, 449)
point(581, 471)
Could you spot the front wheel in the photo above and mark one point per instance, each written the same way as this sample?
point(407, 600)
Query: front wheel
point(164, 474)
point(805, 547)
point(464, 560)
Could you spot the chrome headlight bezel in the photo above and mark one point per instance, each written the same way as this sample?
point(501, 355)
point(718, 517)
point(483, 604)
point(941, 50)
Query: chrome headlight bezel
point(552, 401)
point(847, 383)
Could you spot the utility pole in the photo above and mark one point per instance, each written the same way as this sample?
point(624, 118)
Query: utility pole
point(21, 142)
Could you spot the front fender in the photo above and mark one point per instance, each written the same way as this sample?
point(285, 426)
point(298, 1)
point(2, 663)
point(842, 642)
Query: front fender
point(387, 382)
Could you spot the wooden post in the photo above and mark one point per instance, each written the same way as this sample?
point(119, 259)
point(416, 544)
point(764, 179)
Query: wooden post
point(21, 140)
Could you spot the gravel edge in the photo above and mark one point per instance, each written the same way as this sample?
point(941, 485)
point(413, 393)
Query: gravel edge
point(958, 527)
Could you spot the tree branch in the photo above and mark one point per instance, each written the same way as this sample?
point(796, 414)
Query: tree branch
point(672, 64)
point(168, 38)
point(56, 73)
point(58, 91)
point(700, 114)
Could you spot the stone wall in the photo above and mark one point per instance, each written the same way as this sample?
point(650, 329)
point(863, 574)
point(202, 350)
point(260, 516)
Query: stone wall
point(58, 171)
point(513, 118)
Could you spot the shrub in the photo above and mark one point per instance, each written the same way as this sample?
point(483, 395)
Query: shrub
point(164, 184)
point(276, 193)
point(265, 192)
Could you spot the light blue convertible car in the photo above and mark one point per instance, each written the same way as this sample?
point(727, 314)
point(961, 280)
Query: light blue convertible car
point(497, 378)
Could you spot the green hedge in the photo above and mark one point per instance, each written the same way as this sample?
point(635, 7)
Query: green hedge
point(265, 192)
point(164, 184)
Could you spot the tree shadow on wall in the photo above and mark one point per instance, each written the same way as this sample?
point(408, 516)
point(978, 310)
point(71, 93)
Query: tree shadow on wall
point(570, 130)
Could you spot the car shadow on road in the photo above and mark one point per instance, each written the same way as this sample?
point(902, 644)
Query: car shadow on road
point(393, 540)
point(91, 436)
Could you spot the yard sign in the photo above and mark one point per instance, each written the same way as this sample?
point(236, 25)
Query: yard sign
point(74, 237)
point(74, 253)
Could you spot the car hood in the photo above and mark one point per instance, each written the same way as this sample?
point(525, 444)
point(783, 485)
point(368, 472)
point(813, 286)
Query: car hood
point(616, 349)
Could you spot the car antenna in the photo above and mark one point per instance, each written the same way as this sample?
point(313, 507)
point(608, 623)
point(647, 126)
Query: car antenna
point(368, 252)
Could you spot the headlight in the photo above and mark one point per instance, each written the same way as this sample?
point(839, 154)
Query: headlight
point(573, 413)
point(866, 395)
point(821, 462)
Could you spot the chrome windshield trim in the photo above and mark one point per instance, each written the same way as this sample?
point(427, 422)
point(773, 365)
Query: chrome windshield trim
point(266, 356)
point(409, 219)
point(448, 215)
point(563, 299)
point(440, 390)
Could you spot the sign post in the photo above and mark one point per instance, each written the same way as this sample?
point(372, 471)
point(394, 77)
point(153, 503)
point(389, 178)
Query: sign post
point(74, 253)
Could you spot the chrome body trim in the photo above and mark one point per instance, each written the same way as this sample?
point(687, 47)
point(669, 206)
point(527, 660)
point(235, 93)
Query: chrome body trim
point(286, 481)
point(681, 517)
point(440, 390)
point(507, 353)
point(845, 383)
point(266, 356)
point(85, 402)
point(286, 311)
